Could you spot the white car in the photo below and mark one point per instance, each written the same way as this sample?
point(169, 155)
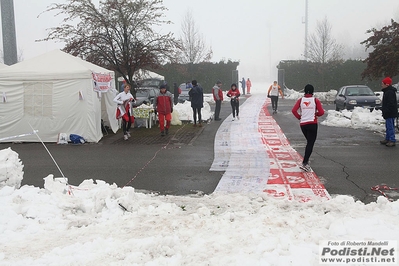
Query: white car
point(184, 88)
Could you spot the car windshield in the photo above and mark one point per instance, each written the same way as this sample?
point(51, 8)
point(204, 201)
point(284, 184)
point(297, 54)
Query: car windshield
point(359, 91)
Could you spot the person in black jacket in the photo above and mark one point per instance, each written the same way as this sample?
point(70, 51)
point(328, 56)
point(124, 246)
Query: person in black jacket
point(197, 102)
point(389, 111)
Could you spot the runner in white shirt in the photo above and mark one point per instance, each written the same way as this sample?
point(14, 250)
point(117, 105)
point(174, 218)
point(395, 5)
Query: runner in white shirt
point(123, 111)
point(272, 93)
point(307, 109)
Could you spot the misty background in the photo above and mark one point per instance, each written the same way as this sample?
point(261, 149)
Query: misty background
point(258, 34)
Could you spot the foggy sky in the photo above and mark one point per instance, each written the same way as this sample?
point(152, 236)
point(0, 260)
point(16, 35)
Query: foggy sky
point(258, 33)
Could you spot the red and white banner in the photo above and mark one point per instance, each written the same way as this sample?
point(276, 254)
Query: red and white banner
point(101, 82)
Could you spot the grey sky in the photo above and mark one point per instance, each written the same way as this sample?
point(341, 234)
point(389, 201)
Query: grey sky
point(258, 33)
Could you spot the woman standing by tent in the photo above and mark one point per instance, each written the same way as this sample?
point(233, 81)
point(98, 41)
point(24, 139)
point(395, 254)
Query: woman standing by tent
point(124, 100)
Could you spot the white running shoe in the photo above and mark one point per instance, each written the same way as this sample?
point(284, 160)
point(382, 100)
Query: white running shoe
point(233, 119)
point(306, 167)
point(128, 134)
point(125, 137)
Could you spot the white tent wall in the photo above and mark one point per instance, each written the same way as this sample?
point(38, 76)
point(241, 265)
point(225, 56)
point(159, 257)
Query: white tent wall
point(68, 114)
point(68, 105)
point(108, 110)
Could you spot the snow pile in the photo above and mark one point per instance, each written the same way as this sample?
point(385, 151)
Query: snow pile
point(107, 225)
point(322, 96)
point(185, 112)
point(11, 173)
point(357, 118)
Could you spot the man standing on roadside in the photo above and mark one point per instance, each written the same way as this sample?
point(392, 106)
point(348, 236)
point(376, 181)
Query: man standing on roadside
point(197, 102)
point(243, 83)
point(218, 97)
point(389, 111)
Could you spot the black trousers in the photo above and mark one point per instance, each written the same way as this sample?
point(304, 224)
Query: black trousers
point(197, 111)
point(126, 125)
point(310, 133)
point(217, 108)
point(235, 106)
point(274, 100)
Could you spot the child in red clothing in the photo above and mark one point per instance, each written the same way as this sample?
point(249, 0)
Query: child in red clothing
point(234, 95)
point(163, 104)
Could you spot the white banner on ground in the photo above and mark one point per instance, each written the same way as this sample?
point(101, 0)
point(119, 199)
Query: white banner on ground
point(239, 151)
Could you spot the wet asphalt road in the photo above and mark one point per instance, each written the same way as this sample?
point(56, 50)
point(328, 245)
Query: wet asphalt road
point(348, 161)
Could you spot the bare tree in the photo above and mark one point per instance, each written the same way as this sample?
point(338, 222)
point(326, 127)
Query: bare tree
point(192, 47)
point(323, 48)
point(119, 35)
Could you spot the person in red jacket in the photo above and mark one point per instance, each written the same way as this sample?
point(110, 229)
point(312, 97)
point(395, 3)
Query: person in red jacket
point(309, 109)
point(249, 85)
point(218, 97)
point(234, 95)
point(163, 105)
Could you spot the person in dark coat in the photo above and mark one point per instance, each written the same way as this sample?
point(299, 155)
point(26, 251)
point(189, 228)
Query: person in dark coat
point(243, 83)
point(389, 111)
point(197, 102)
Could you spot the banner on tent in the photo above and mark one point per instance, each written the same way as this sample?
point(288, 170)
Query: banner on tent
point(101, 82)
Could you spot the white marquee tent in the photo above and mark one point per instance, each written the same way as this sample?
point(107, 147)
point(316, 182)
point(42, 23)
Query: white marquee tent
point(54, 93)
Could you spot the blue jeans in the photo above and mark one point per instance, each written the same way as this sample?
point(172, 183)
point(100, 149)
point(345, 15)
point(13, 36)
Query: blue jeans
point(390, 129)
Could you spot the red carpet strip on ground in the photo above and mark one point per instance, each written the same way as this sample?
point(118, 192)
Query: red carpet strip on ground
point(286, 180)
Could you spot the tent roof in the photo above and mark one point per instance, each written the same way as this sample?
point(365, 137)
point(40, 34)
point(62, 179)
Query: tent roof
point(54, 65)
point(145, 74)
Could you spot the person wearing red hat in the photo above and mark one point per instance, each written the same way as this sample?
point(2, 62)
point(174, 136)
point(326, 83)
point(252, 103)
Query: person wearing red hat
point(389, 111)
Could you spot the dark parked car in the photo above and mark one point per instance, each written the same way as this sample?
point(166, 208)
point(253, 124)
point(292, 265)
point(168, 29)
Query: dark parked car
point(349, 97)
point(145, 96)
point(147, 90)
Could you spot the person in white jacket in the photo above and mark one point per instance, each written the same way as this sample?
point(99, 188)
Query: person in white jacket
point(124, 100)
